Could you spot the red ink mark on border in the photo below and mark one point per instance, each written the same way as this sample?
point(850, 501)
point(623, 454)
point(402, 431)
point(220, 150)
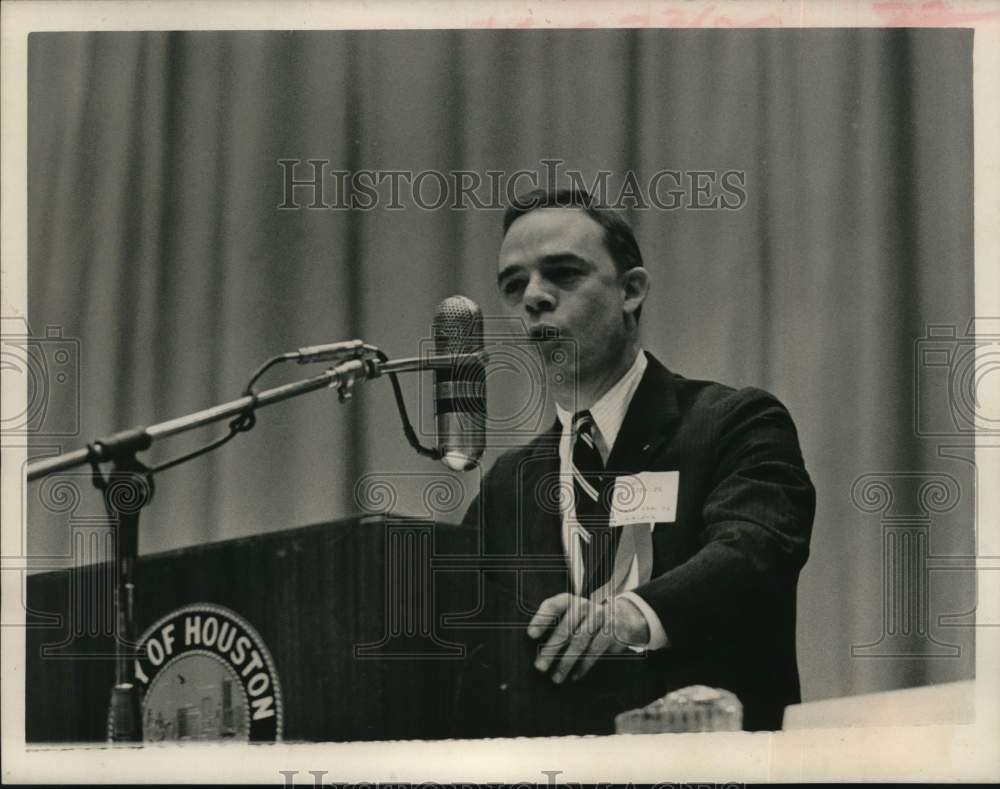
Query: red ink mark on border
point(934, 13)
point(893, 13)
point(771, 20)
point(700, 20)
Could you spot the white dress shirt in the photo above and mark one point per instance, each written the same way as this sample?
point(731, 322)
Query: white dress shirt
point(608, 414)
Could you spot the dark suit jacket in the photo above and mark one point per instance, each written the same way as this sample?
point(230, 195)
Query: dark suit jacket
point(723, 579)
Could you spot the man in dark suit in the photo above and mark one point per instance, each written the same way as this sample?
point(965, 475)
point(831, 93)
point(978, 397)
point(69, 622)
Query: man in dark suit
point(653, 537)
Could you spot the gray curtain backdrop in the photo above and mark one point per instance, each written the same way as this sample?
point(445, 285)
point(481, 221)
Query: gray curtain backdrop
point(155, 241)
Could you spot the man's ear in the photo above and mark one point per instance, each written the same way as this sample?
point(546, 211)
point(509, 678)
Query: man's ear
point(635, 285)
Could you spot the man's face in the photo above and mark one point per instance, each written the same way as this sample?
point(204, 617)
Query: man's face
point(557, 276)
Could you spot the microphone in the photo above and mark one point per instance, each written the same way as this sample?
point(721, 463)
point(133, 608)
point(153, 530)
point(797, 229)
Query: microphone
point(460, 389)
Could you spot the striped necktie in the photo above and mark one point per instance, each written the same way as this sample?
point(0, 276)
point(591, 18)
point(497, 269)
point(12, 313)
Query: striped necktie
point(592, 490)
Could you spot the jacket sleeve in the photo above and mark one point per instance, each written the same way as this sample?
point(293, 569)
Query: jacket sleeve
point(756, 523)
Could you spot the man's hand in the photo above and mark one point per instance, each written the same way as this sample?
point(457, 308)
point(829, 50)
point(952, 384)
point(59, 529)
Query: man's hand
point(586, 631)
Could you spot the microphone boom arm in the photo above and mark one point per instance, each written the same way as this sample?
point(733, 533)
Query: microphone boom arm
point(343, 377)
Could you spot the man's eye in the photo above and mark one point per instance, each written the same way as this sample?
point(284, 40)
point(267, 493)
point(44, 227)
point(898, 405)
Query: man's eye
point(513, 287)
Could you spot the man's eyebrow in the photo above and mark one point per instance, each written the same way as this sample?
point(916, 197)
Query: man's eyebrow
point(558, 259)
point(508, 271)
point(566, 257)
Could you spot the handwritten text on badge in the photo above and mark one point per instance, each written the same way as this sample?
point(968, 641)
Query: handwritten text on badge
point(646, 497)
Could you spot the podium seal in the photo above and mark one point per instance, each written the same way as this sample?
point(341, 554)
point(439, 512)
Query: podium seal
point(206, 674)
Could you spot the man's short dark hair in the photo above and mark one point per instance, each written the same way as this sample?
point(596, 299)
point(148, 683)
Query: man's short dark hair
point(618, 236)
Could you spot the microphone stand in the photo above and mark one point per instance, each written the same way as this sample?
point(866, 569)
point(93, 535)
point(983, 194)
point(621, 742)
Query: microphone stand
point(129, 487)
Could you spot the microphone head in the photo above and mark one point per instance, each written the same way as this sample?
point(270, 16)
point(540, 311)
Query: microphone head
point(457, 326)
point(460, 390)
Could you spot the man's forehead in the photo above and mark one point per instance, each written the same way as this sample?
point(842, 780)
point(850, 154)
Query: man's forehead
point(550, 231)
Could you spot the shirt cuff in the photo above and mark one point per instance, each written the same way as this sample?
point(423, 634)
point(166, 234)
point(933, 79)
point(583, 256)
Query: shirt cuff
point(657, 635)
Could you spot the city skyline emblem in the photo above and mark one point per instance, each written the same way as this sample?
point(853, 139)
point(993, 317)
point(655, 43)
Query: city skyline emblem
point(206, 674)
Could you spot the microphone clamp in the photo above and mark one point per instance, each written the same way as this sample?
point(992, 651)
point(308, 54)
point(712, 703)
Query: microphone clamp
point(333, 352)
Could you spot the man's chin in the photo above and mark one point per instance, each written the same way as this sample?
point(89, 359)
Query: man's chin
point(560, 366)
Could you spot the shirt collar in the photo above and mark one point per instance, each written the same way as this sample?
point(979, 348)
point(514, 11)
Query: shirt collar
point(609, 411)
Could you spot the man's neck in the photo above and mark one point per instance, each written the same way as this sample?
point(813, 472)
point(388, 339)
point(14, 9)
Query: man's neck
point(587, 392)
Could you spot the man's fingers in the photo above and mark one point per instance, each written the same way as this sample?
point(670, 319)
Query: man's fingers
point(587, 644)
point(548, 613)
point(553, 646)
point(559, 638)
point(574, 609)
point(602, 643)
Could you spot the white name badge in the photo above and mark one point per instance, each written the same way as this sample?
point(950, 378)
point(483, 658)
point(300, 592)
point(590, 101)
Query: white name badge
point(646, 497)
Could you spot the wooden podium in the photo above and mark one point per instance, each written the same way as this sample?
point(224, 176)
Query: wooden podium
point(353, 612)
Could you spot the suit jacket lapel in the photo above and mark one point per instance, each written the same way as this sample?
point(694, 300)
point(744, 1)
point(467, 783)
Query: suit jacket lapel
point(648, 421)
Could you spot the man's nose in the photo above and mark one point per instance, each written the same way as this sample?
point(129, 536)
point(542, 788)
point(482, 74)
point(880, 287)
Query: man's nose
point(536, 297)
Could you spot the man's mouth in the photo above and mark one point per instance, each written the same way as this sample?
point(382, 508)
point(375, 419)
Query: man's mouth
point(544, 332)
